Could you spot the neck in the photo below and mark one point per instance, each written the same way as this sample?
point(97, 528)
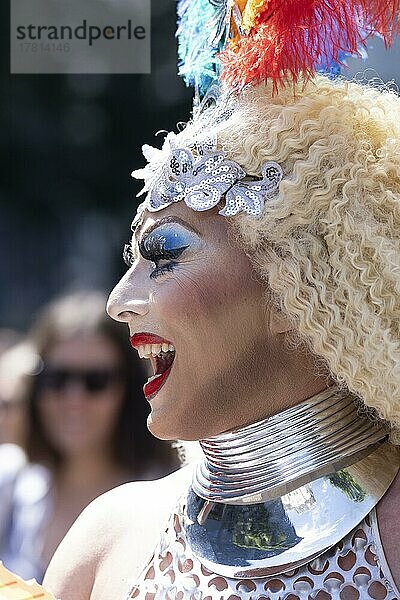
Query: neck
point(274, 456)
point(271, 496)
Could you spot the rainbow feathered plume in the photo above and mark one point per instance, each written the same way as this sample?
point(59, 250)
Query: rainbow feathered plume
point(249, 41)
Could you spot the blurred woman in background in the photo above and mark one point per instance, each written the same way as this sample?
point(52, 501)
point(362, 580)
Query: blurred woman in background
point(86, 428)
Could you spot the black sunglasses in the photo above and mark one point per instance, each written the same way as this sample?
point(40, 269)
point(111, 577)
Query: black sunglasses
point(93, 380)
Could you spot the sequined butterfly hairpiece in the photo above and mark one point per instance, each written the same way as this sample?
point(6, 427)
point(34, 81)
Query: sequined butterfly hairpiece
point(201, 176)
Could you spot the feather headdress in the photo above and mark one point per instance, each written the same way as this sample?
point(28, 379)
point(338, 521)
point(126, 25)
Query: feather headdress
point(248, 41)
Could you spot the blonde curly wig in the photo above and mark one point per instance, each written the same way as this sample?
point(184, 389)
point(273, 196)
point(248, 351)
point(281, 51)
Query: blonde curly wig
point(328, 245)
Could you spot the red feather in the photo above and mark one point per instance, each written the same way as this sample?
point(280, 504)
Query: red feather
point(291, 36)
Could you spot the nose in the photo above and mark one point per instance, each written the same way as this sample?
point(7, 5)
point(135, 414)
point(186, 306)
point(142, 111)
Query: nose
point(128, 299)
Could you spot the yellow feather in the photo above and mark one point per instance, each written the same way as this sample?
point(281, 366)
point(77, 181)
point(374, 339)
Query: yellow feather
point(250, 13)
point(13, 587)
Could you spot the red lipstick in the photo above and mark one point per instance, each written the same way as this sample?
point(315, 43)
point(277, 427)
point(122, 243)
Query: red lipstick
point(155, 383)
point(162, 363)
point(141, 339)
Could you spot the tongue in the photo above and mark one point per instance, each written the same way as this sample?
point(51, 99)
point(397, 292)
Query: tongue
point(164, 362)
point(162, 365)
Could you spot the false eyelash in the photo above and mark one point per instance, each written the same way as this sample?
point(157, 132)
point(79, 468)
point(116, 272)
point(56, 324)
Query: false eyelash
point(153, 248)
point(127, 255)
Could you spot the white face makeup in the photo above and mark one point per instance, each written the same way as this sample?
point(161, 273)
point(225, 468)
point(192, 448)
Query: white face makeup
point(192, 299)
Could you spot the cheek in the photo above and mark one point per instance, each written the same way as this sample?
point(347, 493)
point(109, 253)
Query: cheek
point(49, 408)
point(215, 318)
point(201, 292)
point(108, 408)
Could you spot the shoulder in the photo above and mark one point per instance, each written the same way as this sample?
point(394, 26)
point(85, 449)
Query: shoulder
point(124, 522)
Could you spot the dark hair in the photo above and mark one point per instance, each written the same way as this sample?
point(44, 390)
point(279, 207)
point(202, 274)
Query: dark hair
point(133, 447)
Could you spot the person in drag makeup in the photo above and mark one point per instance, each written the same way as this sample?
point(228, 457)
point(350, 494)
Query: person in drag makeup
point(263, 286)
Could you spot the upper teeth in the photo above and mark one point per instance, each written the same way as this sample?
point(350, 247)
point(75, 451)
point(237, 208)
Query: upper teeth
point(147, 350)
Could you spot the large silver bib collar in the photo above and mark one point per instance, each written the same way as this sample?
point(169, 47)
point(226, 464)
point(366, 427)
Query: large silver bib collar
point(274, 495)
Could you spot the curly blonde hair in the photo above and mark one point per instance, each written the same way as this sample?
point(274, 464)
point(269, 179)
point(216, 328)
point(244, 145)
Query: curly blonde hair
point(328, 245)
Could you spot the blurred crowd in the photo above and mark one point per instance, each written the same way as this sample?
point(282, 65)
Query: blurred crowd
point(72, 425)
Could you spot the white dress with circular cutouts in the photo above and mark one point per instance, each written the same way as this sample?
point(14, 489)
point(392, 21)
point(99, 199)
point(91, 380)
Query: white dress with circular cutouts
point(354, 569)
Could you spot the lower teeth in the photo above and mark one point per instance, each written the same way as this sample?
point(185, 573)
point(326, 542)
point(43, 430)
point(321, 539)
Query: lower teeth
point(153, 377)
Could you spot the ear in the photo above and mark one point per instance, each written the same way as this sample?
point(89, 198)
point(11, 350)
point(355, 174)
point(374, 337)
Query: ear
point(278, 321)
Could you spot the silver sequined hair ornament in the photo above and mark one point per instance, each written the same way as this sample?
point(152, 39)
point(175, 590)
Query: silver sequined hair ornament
point(201, 175)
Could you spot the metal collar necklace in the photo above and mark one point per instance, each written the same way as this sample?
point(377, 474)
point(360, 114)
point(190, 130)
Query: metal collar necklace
point(273, 495)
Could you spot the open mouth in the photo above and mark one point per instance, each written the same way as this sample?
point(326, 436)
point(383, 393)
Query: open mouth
point(161, 354)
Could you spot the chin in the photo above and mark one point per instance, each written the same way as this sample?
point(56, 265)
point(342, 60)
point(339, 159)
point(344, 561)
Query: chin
point(178, 414)
point(172, 429)
point(160, 429)
point(163, 421)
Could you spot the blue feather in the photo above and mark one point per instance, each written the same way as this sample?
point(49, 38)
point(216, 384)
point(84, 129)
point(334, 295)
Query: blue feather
point(203, 27)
